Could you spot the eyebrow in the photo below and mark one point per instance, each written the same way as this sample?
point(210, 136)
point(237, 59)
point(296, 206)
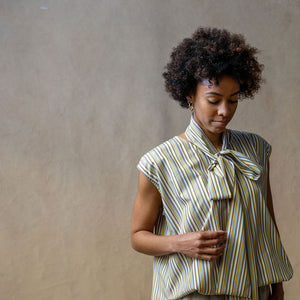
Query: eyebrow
point(217, 94)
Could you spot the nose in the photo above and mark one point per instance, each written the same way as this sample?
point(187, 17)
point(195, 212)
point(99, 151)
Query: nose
point(224, 109)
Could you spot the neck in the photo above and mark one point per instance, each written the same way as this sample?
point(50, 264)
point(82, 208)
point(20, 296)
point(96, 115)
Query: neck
point(212, 142)
point(216, 139)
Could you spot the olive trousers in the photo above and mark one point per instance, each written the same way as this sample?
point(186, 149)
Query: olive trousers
point(264, 294)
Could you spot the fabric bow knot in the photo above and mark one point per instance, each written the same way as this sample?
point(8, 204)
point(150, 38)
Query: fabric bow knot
point(221, 172)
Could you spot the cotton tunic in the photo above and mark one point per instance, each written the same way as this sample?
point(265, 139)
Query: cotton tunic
point(203, 188)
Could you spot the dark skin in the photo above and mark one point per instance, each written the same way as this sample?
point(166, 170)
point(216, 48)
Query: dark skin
point(213, 109)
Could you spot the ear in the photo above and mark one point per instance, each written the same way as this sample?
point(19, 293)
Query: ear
point(189, 99)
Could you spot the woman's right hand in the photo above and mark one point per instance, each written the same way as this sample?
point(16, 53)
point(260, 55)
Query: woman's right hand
point(207, 245)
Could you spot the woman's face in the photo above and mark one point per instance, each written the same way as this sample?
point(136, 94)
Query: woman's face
point(214, 106)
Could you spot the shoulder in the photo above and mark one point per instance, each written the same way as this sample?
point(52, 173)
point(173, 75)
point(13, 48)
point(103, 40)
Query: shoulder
point(251, 142)
point(248, 137)
point(153, 163)
point(162, 151)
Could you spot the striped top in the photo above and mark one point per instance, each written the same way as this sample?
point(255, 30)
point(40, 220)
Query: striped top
point(203, 188)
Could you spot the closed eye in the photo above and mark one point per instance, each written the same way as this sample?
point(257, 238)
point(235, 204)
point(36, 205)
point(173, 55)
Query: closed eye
point(216, 102)
point(213, 102)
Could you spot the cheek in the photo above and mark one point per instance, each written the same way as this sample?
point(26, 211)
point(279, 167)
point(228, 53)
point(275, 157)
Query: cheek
point(206, 114)
point(234, 110)
point(205, 111)
point(211, 112)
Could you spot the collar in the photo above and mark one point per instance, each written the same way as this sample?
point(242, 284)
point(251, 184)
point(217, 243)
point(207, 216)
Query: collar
point(223, 163)
point(196, 135)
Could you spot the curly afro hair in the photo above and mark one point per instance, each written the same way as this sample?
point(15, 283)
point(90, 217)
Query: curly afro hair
point(210, 54)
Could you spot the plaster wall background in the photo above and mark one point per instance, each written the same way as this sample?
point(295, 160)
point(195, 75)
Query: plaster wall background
point(82, 98)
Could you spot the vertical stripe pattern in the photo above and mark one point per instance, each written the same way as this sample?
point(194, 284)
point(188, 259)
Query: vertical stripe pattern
point(203, 188)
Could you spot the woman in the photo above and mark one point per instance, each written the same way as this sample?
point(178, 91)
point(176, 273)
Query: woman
point(204, 206)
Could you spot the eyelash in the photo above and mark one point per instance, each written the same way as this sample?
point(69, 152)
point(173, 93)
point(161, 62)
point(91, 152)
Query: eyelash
point(231, 101)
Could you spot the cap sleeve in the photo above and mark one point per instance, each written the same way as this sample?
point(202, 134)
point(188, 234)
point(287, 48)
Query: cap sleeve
point(264, 150)
point(148, 167)
point(268, 150)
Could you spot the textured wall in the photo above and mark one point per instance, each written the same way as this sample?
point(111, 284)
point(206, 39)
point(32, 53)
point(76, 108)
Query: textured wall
point(82, 99)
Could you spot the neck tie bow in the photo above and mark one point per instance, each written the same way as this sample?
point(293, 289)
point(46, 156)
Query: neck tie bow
point(224, 164)
point(221, 172)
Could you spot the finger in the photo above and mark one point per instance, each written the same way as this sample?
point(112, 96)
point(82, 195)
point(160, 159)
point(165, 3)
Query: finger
point(212, 251)
point(213, 234)
point(213, 242)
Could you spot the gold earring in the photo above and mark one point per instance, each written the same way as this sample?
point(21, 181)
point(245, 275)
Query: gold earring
point(191, 106)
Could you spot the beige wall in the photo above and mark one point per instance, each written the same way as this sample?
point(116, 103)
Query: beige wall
point(82, 99)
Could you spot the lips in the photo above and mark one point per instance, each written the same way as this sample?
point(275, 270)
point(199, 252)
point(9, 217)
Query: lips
point(221, 123)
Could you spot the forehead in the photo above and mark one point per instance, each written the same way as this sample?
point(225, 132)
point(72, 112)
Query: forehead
point(226, 85)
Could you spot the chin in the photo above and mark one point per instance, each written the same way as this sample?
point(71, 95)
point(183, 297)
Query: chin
point(219, 130)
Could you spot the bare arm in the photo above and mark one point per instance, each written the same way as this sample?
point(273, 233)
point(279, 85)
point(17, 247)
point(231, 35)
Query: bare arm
point(277, 288)
point(145, 212)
